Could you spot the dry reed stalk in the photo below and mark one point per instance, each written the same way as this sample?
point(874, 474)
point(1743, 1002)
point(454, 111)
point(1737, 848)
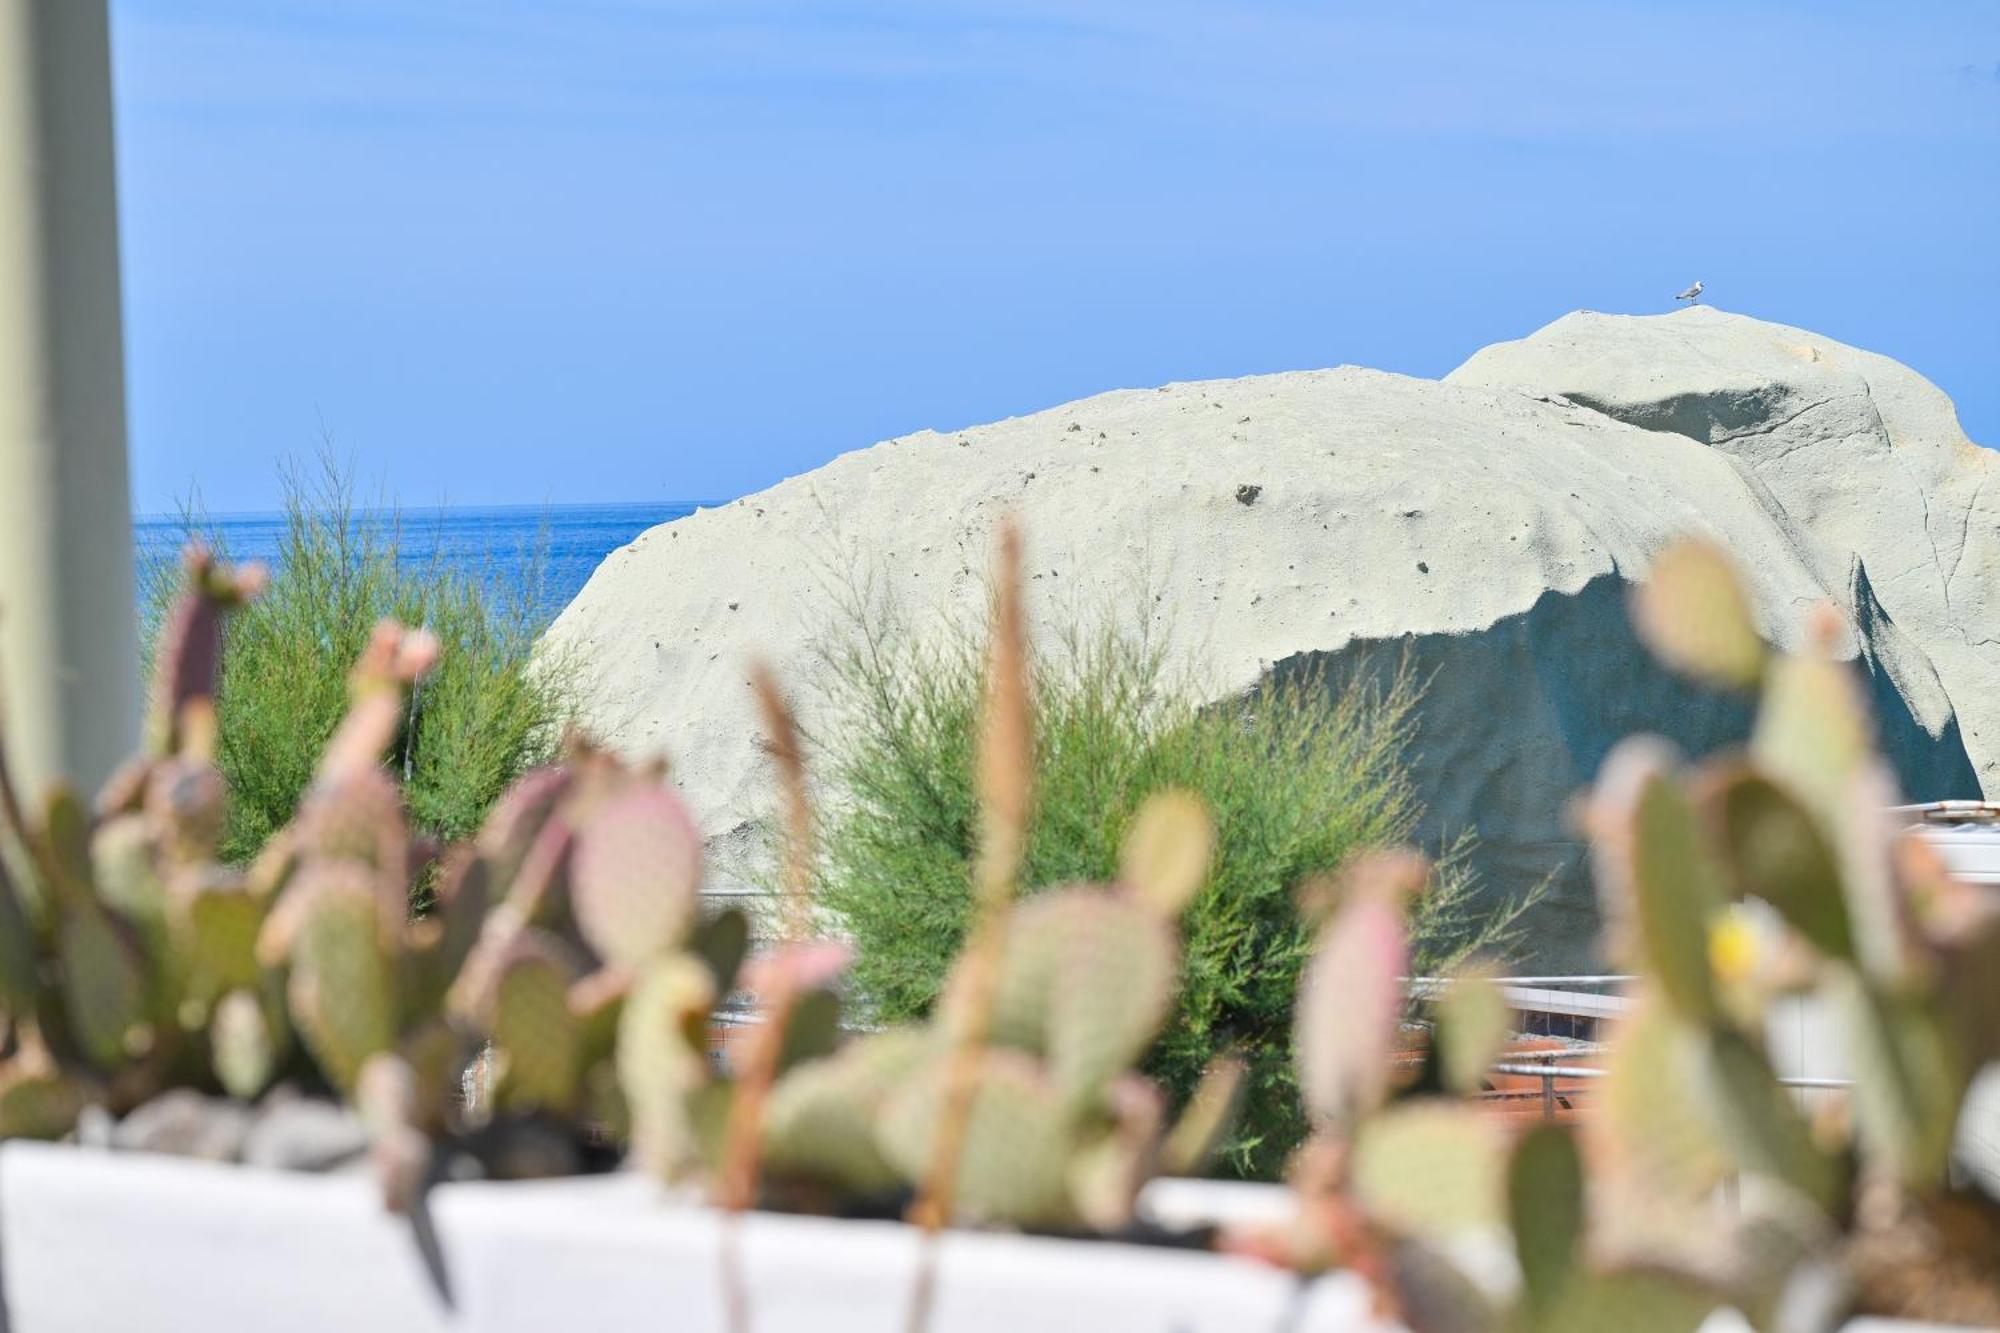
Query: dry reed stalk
point(1004, 783)
point(736, 1182)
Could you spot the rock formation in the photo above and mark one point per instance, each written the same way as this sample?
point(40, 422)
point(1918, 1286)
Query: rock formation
point(1487, 525)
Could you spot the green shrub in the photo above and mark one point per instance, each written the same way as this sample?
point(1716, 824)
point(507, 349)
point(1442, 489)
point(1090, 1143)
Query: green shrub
point(1298, 775)
point(477, 722)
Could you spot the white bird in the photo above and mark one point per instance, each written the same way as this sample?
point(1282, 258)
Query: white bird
point(1691, 294)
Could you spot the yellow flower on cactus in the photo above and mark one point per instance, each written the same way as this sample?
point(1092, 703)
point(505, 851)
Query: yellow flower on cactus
point(1734, 946)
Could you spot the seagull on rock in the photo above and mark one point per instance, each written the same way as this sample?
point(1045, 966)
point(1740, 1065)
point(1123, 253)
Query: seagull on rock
point(1692, 295)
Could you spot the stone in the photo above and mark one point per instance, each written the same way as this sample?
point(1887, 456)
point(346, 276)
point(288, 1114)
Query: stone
point(292, 1132)
point(186, 1124)
point(1485, 528)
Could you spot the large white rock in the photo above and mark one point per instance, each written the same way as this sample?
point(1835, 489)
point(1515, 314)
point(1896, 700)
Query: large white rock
point(1858, 451)
point(1287, 522)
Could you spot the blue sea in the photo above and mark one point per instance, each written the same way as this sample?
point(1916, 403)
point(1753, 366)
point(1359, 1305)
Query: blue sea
point(534, 557)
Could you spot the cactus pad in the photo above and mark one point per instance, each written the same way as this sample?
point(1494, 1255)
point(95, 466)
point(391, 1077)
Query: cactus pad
point(1086, 977)
point(1166, 853)
point(1657, 883)
point(1431, 1169)
point(517, 818)
point(124, 866)
point(1545, 1209)
point(38, 1102)
point(820, 1122)
point(634, 875)
point(1755, 1116)
point(1114, 987)
point(663, 1063)
point(723, 942)
point(1772, 848)
point(243, 1047)
point(1813, 732)
point(188, 804)
point(1351, 995)
point(342, 990)
point(537, 1039)
point(1693, 613)
point(218, 920)
point(1650, 1130)
point(104, 985)
point(1472, 1022)
point(1016, 1159)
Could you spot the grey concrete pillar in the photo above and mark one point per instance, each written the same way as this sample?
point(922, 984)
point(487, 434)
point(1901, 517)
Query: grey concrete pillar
point(68, 630)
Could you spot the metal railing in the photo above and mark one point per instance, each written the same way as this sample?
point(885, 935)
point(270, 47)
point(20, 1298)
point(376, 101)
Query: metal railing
point(1546, 1068)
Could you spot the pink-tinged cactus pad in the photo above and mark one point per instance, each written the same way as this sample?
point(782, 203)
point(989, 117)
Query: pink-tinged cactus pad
point(635, 875)
point(1351, 997)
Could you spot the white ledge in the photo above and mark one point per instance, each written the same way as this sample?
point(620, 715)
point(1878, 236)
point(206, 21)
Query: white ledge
point(93, 1240)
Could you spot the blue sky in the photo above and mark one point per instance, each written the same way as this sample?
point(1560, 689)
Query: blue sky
point(584, 250)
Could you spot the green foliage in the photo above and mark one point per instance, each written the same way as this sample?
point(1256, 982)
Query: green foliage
point(479, 721)
point(146, 963)
point(1297, 776)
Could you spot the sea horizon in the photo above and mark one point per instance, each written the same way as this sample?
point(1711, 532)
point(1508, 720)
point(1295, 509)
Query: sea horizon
point(531, 558)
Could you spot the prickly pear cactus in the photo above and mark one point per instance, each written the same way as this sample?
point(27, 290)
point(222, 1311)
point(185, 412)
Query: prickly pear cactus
point(1847, 913)
point(125, 934)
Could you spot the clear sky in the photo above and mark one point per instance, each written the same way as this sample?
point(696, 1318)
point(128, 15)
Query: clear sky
point(585, 250)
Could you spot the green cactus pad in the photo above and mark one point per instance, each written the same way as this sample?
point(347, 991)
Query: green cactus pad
point(1472, 1024)
point(723, 942)
point(1086, 977)
point(1167, 850)
point(218, 920)
point(437, 1053)
point(662, 1062)
point(1772, 848)
point(536, 1037)
point(1755, 1117)
point(20, 968)
point(1865, 833)
point(1650, 1129)
point(465, 897)
point(812, 1028)
point(1657, 883)
point(597, 1000)
point(1813, 732)
point(1693, 612)
point(1029, 963)
point(1015, 1163)
point(66, 829)
point(634, 875)
point(1545, 1210)
point(1628, 1302)
point(104, 985)
point(1108, 1168)
point(187, 803)
point(1431, 1169)
point(38, 1103)
point(1114, 987)
point(1908, 1081)
point(342, 991)
point(820, 1121)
